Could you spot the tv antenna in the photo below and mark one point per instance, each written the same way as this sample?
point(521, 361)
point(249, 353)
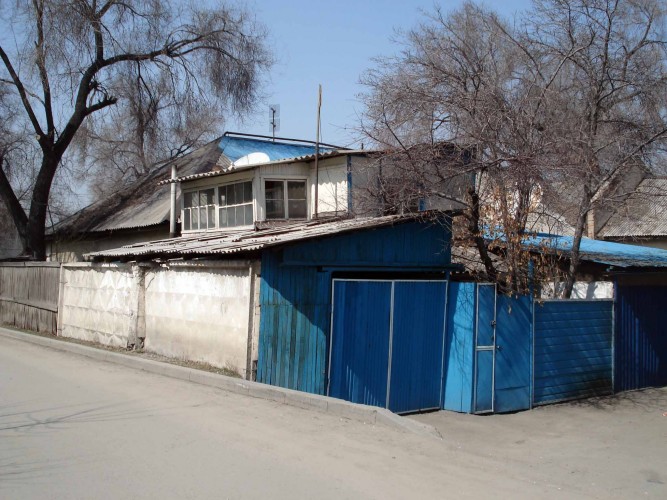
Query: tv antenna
point(274, 119)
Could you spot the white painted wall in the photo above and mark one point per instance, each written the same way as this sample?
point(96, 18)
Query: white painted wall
point(199, 314)
point(582, 290)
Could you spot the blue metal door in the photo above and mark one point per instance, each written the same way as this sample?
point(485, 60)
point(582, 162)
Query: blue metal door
point(387, 341)
point(359, 351)
point(573, 349)
point(513, 353)
point(418, 325)
point(485, 348)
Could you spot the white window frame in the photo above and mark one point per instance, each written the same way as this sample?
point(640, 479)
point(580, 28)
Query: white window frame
point(184, 208)
point(216, 206)
point(285, 180)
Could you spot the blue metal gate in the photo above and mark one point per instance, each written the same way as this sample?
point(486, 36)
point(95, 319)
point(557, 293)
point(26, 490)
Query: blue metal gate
point(641, 337)
point(387, 343)
point(573, 349)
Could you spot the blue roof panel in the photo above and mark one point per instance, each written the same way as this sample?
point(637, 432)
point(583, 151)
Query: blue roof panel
point(238, 147)
point(603, 252)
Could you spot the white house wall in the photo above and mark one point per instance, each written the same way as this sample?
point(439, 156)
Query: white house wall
point(199, 314)
point(332, 186)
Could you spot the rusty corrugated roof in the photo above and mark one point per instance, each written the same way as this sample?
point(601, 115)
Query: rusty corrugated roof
point(643, 213)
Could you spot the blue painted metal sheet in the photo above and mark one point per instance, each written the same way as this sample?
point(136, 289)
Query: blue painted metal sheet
point(459, 347)
point(294, 325)
point(417, 343)
point(641, 337)
point(236, 147)
point(360, 341)
point(513, 353)
point(485, 347)
point(414, 244)
point(573, 349)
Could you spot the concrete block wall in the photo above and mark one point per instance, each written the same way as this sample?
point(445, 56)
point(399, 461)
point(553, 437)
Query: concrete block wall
point(196, 311)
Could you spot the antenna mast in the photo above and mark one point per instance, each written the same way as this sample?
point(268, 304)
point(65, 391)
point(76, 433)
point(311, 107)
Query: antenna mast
point(274, 119)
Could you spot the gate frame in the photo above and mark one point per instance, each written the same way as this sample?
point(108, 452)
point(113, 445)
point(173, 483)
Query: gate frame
point(492, 349)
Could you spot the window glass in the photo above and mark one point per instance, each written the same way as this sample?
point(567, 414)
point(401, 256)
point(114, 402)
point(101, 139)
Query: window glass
point(195, 218)
point(222, 196)
point(187, 199)
point(247, 192)
point(186, 219)
point(275, 209)
point(297, 209)
point(248, 214)
point(296, 194)
point(222, 217)
point(275, 199)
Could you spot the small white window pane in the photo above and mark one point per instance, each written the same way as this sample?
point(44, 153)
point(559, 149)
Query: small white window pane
point(274, 190)
point(222, 217)
point(248, 215)
point(206, 196)
point(222, 196)
point(195, 218)
point(186, 219)
point(211, 216)
point(247, 192)
point(296, 190)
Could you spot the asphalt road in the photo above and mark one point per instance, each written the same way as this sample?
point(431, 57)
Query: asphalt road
point(71, 427)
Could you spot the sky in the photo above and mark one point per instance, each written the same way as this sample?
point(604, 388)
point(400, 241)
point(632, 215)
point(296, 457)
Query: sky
point(331, 43)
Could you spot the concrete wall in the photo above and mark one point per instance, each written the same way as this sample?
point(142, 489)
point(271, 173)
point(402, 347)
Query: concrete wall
point(195, 311)
point(200, 313)
point(99, 303)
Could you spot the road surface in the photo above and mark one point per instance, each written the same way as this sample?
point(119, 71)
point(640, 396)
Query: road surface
point(71, 427)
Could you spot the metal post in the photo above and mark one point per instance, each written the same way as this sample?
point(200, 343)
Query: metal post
point(172, 212)
point(317, 150)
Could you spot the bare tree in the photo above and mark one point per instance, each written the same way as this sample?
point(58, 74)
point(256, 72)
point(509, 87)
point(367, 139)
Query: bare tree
point(562, 99)
point(461, 100)
point(610, 89)
point(67, 60)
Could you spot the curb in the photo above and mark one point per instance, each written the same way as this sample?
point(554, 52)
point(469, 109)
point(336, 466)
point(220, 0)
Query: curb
point(324, 404)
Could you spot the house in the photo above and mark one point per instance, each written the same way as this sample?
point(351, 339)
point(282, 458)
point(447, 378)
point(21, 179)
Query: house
point(273, 279)
point(641, 218)
point(141, 211)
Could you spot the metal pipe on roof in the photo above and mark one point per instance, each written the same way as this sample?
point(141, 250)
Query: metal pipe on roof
point(317, 148)
point(172, 211)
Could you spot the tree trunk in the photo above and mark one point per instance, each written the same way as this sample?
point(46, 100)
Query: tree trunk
point(576, 244)
point(35, 243)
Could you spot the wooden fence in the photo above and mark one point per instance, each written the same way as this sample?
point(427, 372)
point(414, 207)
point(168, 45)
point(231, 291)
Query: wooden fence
point(29, 295)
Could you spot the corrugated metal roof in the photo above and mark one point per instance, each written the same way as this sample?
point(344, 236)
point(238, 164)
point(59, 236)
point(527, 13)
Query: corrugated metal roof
point(643, 214)
point(220, 243)
point(602, 252)
point(297, 159)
